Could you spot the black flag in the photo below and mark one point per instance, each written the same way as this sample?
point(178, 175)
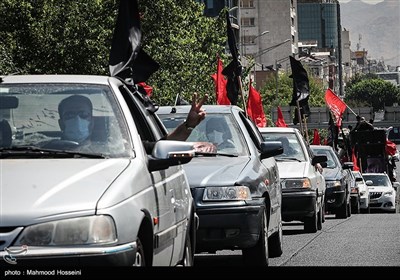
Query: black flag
point(127, 59)
point(301, 87)
point(233, 71)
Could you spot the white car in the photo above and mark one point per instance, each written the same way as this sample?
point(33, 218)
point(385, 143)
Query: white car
point(382, 194)
point(363, 192)
point(303, 186)
point(100, 201)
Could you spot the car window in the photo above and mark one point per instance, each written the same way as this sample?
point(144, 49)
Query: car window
point(290, 143)
point(35, 119)
point(378, 180)
point(219, 129)
point(331, 162)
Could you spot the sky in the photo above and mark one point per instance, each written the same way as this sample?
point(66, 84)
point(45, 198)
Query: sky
point(365, 1)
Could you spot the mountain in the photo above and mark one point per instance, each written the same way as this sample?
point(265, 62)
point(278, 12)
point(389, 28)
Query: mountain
point(377, 25)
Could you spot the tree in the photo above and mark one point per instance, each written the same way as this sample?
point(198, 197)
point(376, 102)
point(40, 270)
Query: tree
point(376, 93)
point(74, 37)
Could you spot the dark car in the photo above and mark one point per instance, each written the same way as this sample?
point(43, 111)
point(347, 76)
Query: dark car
point(236, 189)
point(338, 182)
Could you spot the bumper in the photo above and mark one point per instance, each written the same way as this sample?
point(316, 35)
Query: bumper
point(364, 202)
point(297, 205)
point(235, 227)
point(121, 255)
point(334, 198)
point(384, 203)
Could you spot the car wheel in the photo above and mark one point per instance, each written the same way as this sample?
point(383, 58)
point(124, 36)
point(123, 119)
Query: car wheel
point(310, 223)
point(275, 243)
point(258, 255)
point(320, 218)
point(356, 208)
point(139, 256)
point(188, 255)
point(341, 212)
point(348, 209)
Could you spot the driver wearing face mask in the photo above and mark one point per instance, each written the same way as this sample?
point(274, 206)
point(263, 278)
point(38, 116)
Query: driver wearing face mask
point(76, 118)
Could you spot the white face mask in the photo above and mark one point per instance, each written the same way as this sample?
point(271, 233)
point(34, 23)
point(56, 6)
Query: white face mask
point(76, 129)
point(215, 137)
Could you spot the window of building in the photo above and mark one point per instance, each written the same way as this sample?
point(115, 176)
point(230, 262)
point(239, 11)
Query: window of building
point(247, 3)
point(247, 21)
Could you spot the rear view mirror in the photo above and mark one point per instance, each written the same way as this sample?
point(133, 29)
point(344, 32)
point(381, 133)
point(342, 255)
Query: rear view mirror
point(8, 102)
point(369, 183)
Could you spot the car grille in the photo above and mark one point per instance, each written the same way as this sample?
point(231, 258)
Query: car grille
point(375, 195)
point(373, 205)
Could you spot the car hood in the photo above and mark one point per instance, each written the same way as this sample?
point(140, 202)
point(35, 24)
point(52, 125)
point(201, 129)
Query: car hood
point(37, 190)
point(330, 174)
point(292, 169)
point(217, 171)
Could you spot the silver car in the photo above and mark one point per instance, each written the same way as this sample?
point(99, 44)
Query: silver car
point(107, 202)
point(236, 188)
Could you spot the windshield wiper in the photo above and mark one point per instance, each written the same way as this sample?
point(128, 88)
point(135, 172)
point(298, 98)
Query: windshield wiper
point(205, 154)
point(32, 151)
point(287, 159)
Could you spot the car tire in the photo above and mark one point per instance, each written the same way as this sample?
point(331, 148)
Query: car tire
point(311, 223)
point(139, 256)
point(356, 208)
point(342, 211)
point(275, 243)
point(188, 256)
point(258, 255)
point(320, 218)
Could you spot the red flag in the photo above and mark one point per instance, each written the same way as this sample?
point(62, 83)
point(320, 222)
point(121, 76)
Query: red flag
point(280, 122)
point(316, 139)
point(354, 159)
point(335, 105)
point(255, 108)
point(220, 84)
point(148, 89)
point(391, 148)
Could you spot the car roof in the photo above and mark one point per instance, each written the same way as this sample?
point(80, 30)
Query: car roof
point(208, 108)
point(85, 79)
point(320, 147)
point(278, 129)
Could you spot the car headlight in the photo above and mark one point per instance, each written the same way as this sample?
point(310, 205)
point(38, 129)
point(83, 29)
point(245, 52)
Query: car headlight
point(333, 184)
point(389, 193)
point(227, 193)
point(77, 231)
point(303, 183)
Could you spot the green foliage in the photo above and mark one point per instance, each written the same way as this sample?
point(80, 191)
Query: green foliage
point(375, 93)
point(74, 37)
point(285, 91)
point(185, 44)
point(47, 36)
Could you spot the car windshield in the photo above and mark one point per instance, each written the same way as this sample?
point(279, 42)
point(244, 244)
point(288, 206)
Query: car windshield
point(219, 129)
point(377, 179)
point(331, 162)
point(290, 144)
point(32, 123)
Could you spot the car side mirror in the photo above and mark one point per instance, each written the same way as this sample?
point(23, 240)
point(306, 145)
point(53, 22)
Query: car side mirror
point(348, 165)
point(319, 159)
point(168, 153)
point(270, 149)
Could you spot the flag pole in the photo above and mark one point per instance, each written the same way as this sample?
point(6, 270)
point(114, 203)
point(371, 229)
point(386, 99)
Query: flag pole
point(299, 117)
point(241, 93)
point(306, 129)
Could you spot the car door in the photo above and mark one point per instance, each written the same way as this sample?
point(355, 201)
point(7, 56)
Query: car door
point(275, 191)
point(163, 184)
